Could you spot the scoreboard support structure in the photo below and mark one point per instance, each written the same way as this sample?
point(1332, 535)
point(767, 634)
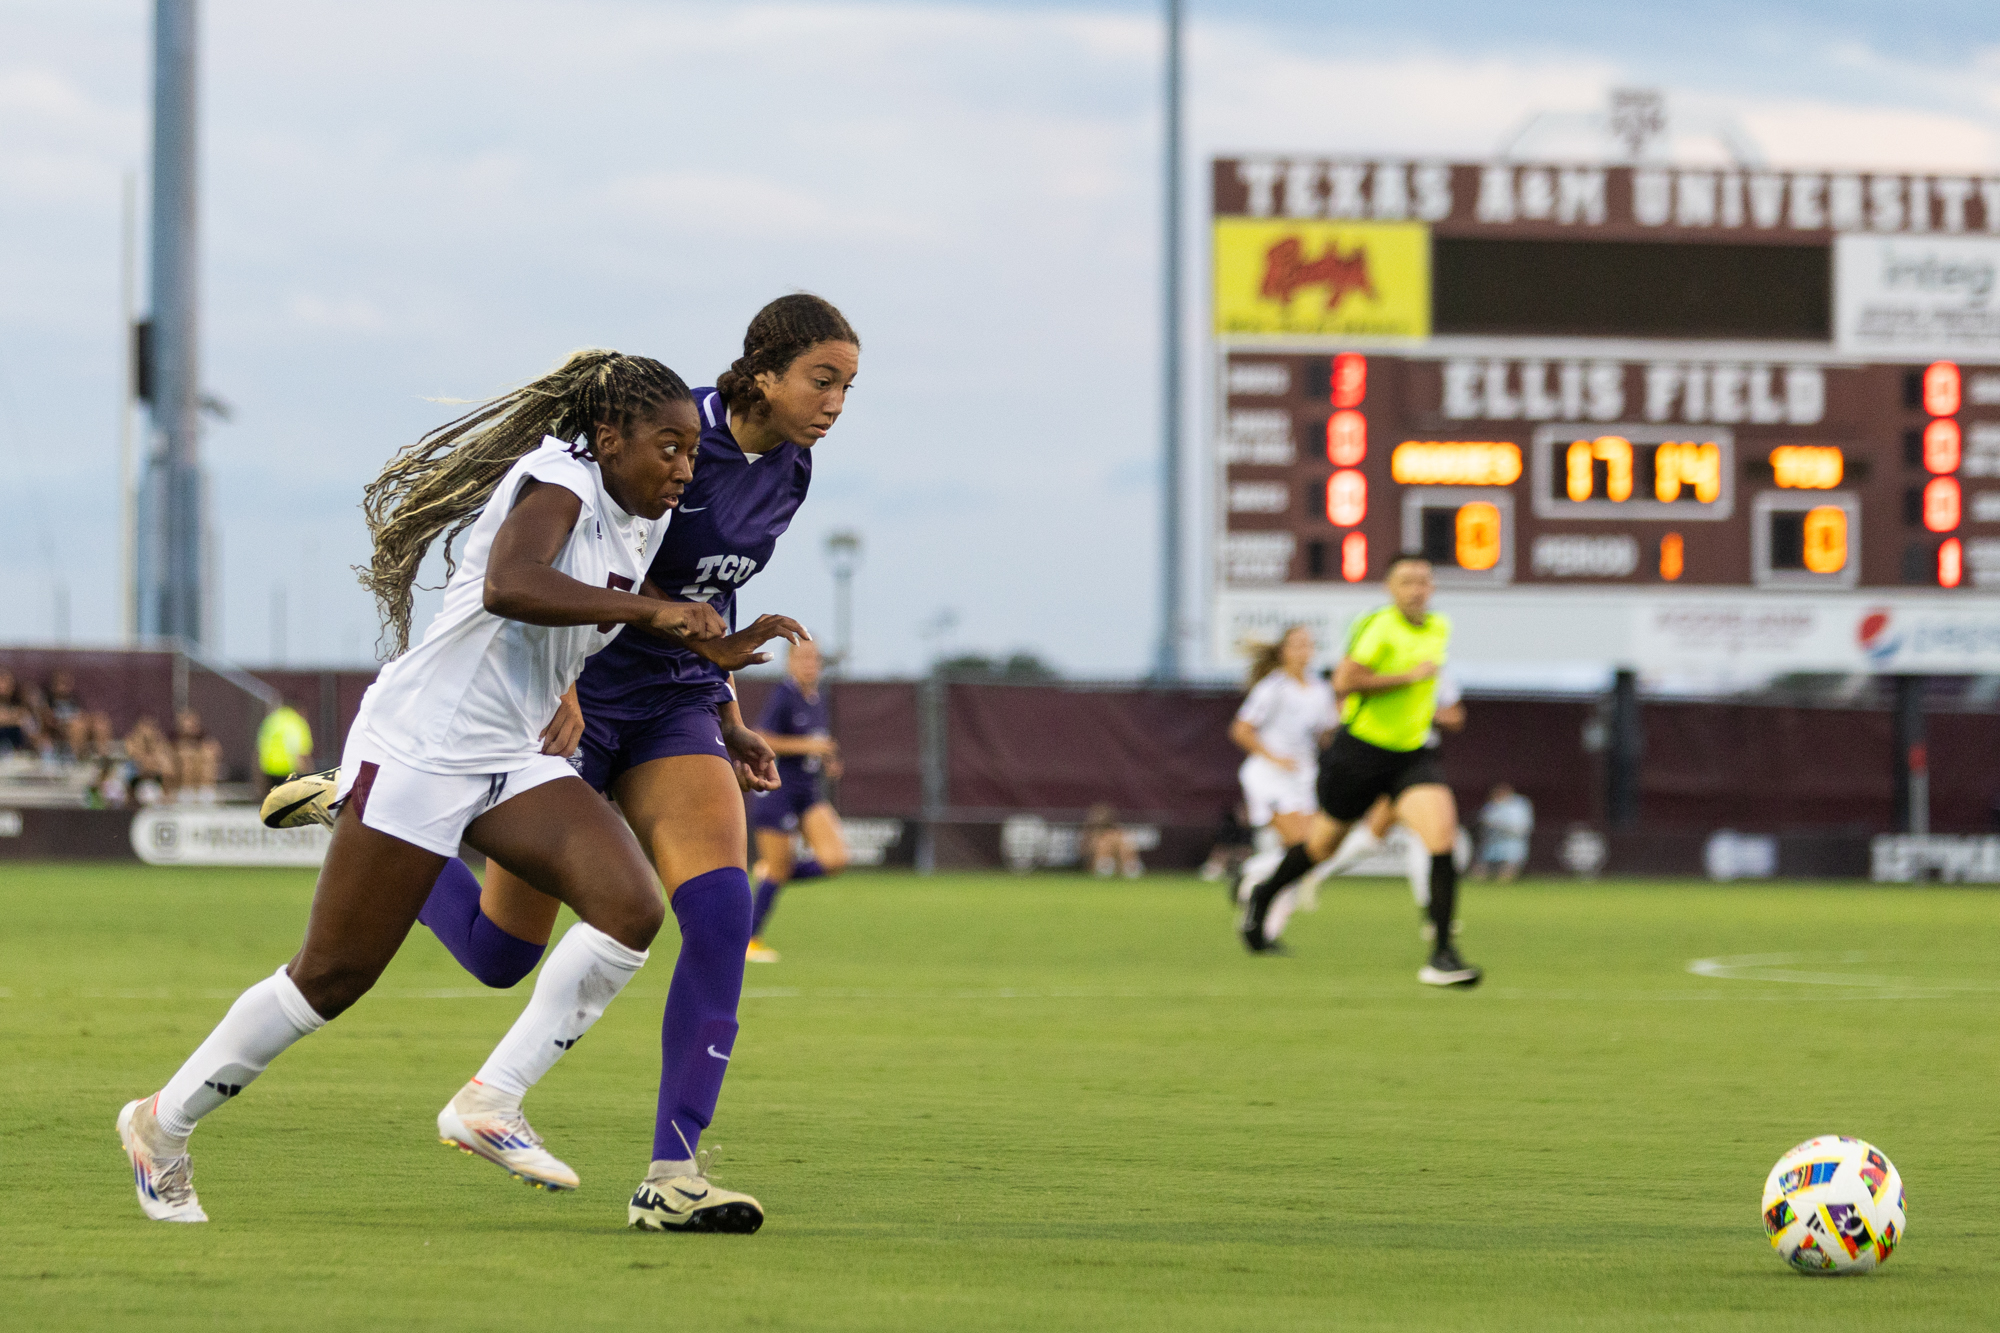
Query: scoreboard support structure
point(1711, 423)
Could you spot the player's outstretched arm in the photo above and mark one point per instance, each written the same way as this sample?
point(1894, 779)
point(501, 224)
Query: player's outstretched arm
point(732, 652)
point(522, 584)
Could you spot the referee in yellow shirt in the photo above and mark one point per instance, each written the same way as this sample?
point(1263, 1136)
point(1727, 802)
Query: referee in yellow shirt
point(1387, 681)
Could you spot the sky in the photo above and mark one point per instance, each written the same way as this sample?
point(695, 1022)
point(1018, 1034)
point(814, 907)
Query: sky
point(414, 203)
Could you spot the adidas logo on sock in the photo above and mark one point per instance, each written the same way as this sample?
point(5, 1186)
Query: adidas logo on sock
point(227, 1089)
point(567, 1044)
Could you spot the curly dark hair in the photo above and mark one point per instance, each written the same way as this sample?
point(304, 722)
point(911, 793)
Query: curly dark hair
point(778, 336)
point(442, 482)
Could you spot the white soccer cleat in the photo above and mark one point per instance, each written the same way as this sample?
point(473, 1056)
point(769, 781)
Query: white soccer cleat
point(299, 801)
point(674, 1198)
point(165, 1182)
point(488, 1125)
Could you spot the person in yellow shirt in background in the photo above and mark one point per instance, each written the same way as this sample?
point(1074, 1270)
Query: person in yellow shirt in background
point(1387, 681)
point(284, 745)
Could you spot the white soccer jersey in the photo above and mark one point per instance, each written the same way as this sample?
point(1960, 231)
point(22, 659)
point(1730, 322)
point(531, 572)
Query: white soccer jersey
point(474, 696)
point(1289, 716)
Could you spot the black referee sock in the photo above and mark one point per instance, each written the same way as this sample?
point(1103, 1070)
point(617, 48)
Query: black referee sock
point(1297, 861)
point(1444, 895)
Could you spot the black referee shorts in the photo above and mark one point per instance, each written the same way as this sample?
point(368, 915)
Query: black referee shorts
point(1353, 773)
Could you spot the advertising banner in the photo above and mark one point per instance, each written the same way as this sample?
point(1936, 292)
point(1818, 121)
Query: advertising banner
point(222, 835)
point(1917, 297)
point(1351, 279)
point(1747, 633)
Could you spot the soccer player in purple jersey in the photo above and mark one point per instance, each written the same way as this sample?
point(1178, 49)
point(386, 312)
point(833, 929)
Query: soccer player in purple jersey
point(796, 726)
point(663, 735)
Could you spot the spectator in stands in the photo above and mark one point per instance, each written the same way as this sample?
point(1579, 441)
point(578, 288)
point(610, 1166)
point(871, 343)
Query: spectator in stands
point(1107, 848)
point(149, 762)
point(77, 732)
point(109, 790)
point(17, 721)
point(1505, 822)
point(284, 745)
point(1232, 846)
point(197, 760)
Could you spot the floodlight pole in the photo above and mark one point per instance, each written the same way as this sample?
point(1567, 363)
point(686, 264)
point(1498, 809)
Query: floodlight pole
point(1167, 662)
point(169, 557)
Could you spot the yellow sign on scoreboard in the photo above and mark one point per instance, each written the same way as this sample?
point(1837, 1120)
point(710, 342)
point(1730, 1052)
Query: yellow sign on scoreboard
point(1278, 275)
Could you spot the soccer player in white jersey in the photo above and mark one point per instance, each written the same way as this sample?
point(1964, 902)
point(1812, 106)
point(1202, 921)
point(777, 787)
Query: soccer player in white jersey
point(1280, 727)
point(562, 490)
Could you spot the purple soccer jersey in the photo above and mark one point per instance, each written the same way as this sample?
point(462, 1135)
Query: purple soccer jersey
point(789, 713)
point(728, 524)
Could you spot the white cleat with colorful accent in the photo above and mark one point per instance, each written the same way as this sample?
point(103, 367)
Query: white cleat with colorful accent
point(163, 1178)
point(487, 1124)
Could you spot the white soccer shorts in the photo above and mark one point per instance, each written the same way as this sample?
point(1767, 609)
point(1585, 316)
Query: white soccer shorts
point(1269, 790)
point(429, 810)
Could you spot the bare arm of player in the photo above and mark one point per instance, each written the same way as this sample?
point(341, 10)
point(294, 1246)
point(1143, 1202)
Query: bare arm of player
point(521, 585)
point(732, 652)
point(1450, 718)
point(820, 745)
point(1246, 740)
point(1350, 676)
point(565, 729)
point(756, 766)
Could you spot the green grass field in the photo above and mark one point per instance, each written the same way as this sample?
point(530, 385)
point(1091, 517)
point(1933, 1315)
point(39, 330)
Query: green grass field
point(977, 1102)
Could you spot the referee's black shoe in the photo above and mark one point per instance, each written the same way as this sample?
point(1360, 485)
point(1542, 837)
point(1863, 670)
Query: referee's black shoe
point(1446, 968)
point(1251, 925)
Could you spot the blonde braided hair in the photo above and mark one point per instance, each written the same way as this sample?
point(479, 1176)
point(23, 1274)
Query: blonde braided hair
point(442, 482)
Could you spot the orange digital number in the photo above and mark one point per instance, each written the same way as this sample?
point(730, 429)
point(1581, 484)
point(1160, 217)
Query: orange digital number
point(1615, 452)
point(1826, 539)
point(1354, 557)
point(1695, 465)
point(1477, 528)
point(1673, 556)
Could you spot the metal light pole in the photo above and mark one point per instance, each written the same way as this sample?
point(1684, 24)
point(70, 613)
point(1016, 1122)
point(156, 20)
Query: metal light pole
point(169, 560)
point(843, 553)
point(1167, 663)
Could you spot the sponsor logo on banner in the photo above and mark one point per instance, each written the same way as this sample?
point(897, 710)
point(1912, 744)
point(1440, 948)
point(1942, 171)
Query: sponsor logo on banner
point(1909, 858)
point(223, 836)
point(1906, 296)
point(1368, 279)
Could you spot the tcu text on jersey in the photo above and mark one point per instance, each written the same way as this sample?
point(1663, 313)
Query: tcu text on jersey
point(711, 571)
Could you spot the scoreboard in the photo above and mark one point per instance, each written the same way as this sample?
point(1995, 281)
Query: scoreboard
point(1646, 449)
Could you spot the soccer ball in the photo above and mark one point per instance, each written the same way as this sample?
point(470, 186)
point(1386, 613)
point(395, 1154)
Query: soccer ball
point(1834, 1205)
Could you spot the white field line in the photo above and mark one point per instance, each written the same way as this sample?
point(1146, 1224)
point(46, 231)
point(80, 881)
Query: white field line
point(1792, 969)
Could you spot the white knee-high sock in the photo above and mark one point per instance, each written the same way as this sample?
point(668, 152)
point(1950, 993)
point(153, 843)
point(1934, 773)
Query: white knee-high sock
point(581, 976)
point(1418, 858)
point(1359, 844)
point(265, 1019)
point(1282, 907)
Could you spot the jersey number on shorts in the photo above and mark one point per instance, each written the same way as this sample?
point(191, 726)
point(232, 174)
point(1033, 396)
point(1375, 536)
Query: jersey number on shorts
point(617, 583)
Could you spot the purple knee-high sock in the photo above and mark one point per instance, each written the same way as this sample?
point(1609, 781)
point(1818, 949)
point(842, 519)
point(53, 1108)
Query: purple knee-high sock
point(767, 898)
point(699, 1030)
point(482, 948)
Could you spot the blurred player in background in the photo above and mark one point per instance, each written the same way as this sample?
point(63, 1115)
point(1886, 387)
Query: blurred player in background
point(1506, 822)
point(795, 724)
point(1371, 834)
point(564, 487)
point(284, 745)
point(1280, 727)
point(1388, 683)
